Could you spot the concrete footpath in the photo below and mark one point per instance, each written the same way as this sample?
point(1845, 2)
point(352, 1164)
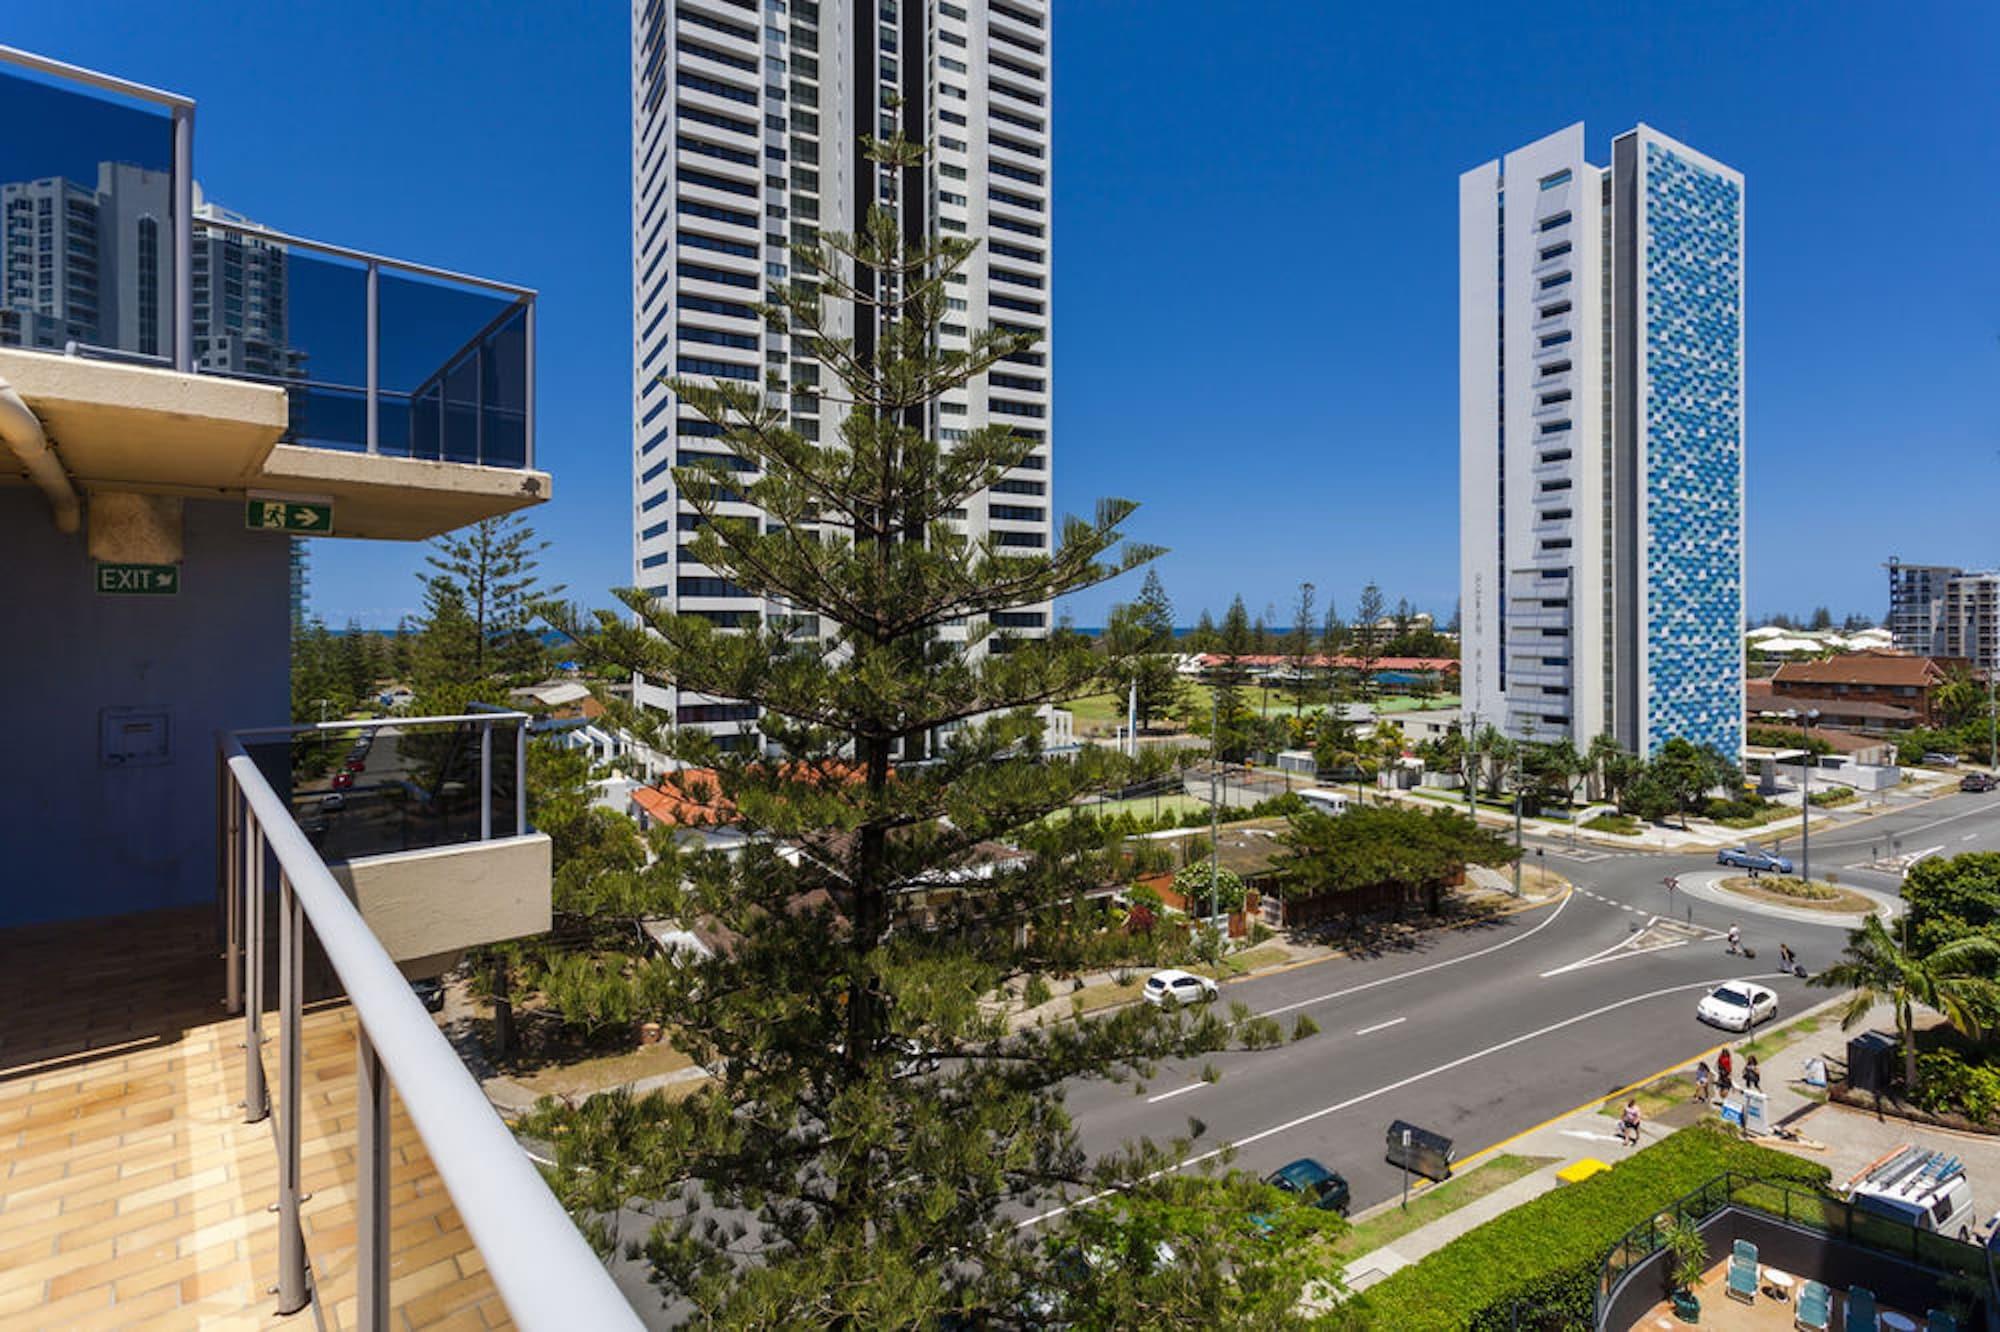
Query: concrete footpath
point(1843, 1139)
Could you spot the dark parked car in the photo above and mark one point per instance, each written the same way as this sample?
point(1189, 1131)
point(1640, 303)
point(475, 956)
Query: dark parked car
point(1753, 858)
point(1313, 1182)
point(1978, 781)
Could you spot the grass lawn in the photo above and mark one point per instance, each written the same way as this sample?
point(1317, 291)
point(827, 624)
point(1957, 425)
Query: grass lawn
point(1263, 955)
point(1093, 997)
point(1772, 1041)
point(1652, 1098)
point(1391, 1225)
point(1142, 806)
point(604, 1072)
point(1623, 825)
point(1108, 709)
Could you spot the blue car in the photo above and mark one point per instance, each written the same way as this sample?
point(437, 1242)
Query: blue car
point(1751, 858)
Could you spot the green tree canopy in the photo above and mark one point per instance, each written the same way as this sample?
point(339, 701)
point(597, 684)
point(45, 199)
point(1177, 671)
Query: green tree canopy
point(866, 1191)
point(1373, 846)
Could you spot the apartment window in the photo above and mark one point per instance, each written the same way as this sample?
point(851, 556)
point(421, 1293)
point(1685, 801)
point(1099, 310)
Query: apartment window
point(1017, 382)
point(692, 365)
point(1555, 427)
point(1559, 178)
point(727, 277)
point(1556, 368)
point(689, 176)
point(701, 242)
point(1012, 303)
point(1556, 251)
point(1034, 539)
point(694, 208)
point(1559, 308)
point(1551, 399)
point(1556, 543)
point(1016, 513)
point(736, 155)
point(1548, 486)
point(1019, 620)
point(699, 84)
point(1551, 223)
point(1554, 515)
point(1553, 281)
point(698, 713)
point(1010, 486)
point(1556, 339)
point(715, 336)
point(950, 117)
point(1555, 661)
point(1556, 456)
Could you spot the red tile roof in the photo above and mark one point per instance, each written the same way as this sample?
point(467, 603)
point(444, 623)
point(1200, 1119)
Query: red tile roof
point(1868, 668)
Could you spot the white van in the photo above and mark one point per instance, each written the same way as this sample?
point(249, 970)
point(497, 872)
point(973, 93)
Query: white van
point(1917, 1186)
point(1324, 801)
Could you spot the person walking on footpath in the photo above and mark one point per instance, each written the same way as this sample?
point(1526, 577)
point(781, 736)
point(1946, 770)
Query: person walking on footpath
point(1701, 1080)
point(1628, 1124)
point(1753, 1079)
point(1722, 1066)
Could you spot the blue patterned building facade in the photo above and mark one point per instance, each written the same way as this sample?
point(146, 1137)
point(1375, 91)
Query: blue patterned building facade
point(1693, 450)
point(1601, 443)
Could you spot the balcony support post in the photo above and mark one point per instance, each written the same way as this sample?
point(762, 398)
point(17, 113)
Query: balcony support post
point(372, 1170)
point(291, 981)
point(374, 357)
point(232, 885)
point(528, 390)
point(183, 186)
point(521, 778)
point(485, 781)
point(256, 1098)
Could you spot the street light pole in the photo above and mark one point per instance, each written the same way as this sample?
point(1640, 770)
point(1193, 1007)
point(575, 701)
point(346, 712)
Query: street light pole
point(1470, 727)
point(1214, 810)
point(1805, 803)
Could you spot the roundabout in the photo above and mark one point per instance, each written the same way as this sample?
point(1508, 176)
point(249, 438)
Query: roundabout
point(1707, 886)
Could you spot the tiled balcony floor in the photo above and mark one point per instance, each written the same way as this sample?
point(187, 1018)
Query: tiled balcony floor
point(1764, 1314)
point(132, 1193)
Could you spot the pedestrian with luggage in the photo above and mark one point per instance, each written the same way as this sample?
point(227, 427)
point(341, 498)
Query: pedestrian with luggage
point(1735, 939)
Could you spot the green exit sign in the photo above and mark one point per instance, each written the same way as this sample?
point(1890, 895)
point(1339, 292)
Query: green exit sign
point(138, 580)
point(264, 515)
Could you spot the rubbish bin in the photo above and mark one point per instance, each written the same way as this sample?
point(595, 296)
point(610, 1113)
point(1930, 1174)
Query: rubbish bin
point(1419, 1150)
point(1871, 1061)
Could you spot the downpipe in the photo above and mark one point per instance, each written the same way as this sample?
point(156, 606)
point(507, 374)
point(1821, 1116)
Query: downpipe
point(22, 430)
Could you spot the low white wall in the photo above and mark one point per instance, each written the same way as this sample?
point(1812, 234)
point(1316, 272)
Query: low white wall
point(448, 898)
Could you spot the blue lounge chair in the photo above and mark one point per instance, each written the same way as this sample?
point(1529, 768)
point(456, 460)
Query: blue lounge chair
point(1940, 1321)
point(1860, 1311)
point(1814, 1310)
point(1742, 1279)
point(1743, 1251)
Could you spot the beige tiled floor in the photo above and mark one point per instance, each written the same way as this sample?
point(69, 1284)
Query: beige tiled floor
point(132, 1194)
point(1721, 1312)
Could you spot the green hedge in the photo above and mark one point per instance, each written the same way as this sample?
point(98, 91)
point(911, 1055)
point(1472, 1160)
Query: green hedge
point(1546, 1254)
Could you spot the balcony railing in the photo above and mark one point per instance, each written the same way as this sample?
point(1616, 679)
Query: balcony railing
point(111, 253)
point(545, 1272)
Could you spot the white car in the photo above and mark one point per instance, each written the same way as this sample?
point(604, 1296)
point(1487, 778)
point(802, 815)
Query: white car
point(1183, 987)
point(1737, 1006)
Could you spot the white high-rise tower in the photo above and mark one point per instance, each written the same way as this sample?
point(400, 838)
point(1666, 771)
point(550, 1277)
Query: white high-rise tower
point(1601, 443)
point(746, 121)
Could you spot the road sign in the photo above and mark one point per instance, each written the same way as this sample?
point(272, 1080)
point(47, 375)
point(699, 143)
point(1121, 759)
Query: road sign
point(138, 580)
point(270, 515)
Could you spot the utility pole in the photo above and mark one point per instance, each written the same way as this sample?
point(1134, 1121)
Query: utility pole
point(1470, 726)
point(1214, 809)
point(1805, 802)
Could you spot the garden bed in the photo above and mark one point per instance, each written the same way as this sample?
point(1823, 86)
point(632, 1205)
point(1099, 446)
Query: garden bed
point(1815, 896)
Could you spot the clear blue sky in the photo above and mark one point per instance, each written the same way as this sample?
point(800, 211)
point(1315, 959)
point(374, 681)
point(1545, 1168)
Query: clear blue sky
point(1255, 224)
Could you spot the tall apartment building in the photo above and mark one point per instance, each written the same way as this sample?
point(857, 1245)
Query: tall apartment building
point(746, 126)
point(1601, 442)
point(1939, 610)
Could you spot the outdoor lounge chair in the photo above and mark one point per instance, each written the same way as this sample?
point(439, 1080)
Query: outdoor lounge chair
point(1743, 1251)
point(1814, 1309)
point(1860, 1311)
point(1940, 1321)
point(1742, 1279)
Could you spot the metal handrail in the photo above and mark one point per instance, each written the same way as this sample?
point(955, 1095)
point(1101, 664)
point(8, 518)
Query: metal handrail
point(546, 1273)
point(62, 69)
point(264, 233)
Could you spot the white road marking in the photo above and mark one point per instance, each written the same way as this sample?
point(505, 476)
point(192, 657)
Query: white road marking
point(1380, 1025)
point(1968, 837)
point(1397, 1085)
point(1408, 975)
point(1178, 1091)
point(1612, 954)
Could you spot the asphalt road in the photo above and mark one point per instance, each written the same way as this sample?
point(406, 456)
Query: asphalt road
point(1482, 1033)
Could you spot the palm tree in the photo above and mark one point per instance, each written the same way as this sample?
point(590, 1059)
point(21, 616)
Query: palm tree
point(1954, 980)
point(1597, 760)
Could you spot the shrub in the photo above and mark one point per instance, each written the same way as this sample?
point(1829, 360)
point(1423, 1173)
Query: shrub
point(1838, 795)
point(1303, 1027)
point(1946, 1083)
point(1036, 992)
point(1546, 1253)
point(1143, 895)
point(1624, 825)
point(1194, 884)
point(1141, 920)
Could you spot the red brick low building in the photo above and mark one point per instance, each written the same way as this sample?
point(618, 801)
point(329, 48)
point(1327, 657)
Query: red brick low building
point(1866, 690)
